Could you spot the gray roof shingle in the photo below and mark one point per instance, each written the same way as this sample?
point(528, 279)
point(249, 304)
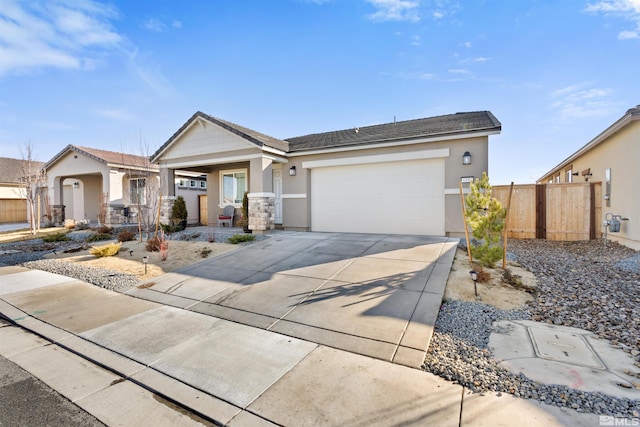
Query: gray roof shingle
point(450, 124)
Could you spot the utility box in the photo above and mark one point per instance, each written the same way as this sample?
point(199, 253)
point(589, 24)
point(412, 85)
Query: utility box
point(614, 225)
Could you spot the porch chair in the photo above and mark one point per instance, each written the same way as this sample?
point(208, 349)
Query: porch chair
point(227, 216)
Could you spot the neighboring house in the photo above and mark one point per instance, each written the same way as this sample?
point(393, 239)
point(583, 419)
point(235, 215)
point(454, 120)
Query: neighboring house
point(612, 158)
point(13, 202)
point(400, 177)
point(108, 187)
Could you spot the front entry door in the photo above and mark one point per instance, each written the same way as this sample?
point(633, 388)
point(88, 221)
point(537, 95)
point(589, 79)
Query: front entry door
point(277, 190)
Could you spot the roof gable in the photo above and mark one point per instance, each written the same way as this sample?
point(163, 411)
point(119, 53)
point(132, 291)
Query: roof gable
point(632, 114)
point(103, 156)
point(258, 139)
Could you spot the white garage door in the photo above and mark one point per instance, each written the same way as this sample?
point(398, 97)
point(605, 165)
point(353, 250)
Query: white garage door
point(402, 197)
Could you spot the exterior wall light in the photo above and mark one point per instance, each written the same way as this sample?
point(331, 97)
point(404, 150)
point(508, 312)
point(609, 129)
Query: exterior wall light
point(466, 158)
point(76, 185)
point(292, 171)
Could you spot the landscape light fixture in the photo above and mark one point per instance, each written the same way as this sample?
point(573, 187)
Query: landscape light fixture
point(292, 171)
point(145, 260)
point(474, 277)
point(466, 158)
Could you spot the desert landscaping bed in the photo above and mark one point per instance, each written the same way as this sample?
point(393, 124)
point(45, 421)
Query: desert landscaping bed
point(579, 284)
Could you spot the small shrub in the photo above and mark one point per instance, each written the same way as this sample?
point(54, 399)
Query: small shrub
point(82, 226)
point(103, 229)
point(126, 236)
point(169, 228)
point(483, 275)
point(179, 212)
point(56, 237)
point(164, 248)
point(109, 249)
point(153, 245)
point(205, 252)
point(241, 238)
point(98, 237)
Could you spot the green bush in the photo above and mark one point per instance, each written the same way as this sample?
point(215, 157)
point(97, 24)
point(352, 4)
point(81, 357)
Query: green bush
point(486, 216)
point(240, 238)
point(179, 212)
point(56, 237)
point(99, 237)
point(110, 249)
point(171, 228)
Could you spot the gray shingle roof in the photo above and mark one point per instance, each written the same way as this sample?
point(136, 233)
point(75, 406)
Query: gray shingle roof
point(450, 124)
point(250, 135)
point(11, 170)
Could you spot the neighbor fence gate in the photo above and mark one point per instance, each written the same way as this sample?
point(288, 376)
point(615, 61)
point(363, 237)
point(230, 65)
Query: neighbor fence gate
point(567, 211)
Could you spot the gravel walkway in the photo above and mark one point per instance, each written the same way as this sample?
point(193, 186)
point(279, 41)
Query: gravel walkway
point(580, 284)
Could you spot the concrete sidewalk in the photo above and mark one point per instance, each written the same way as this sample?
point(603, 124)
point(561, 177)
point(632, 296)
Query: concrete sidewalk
point(130, 361)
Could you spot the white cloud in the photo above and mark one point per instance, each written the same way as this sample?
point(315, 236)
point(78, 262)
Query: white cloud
point(54, 33)
point(438, 14)
point(416, 41)
point(118, 114)
point(395, 10)
point(176, 24)
point(418, 75)
point(153, 24)
point(459, 71)
point(627, 9)
point(580, 101)
point(466, 44)
point(481, 59)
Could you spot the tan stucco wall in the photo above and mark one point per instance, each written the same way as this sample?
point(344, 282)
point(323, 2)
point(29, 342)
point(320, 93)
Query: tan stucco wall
point(621, 153)
point(12, 192)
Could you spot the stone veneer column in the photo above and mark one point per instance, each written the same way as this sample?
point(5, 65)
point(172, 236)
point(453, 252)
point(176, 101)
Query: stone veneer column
point(165, 209)
point(261, 212)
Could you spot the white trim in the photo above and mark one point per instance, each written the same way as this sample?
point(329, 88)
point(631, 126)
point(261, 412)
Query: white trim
point(456, 191)
point(209, 162)
point(221, 184)
point(393, 144)
point(294, 196)
point(250, 195)
point(274, 151)
point(378, 158)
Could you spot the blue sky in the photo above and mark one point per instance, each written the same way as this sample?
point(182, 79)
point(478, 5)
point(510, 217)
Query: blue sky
point(125, 75)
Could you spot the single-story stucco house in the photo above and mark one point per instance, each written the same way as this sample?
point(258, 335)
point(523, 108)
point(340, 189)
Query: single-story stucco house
point(13, 199)
point(109, 187)
point(611, 158)
point(401, 177)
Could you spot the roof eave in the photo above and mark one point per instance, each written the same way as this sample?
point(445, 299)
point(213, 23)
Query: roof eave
point(630, 116)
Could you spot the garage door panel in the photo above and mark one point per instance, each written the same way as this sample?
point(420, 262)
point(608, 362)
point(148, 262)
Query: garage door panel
point(396, 197)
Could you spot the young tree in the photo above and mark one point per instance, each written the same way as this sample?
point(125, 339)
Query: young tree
point(32, 176)
point(486, 216)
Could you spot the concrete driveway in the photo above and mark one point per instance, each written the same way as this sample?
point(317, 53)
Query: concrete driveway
point(376, 295)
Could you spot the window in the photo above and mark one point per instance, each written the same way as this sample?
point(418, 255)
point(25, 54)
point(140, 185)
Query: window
point(136, 188)
point(233, 184)
point(203, 185)
point(556, 179)
point(568, 174)
point(192, 183)
point(182, 183)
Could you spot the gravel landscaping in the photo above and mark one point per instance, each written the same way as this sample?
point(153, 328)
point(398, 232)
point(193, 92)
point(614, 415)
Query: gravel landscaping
point(580, 284)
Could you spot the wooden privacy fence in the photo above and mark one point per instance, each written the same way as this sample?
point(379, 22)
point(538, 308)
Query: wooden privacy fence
point(553, 211)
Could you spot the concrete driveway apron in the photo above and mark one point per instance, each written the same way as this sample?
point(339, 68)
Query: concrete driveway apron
point(376, 295)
